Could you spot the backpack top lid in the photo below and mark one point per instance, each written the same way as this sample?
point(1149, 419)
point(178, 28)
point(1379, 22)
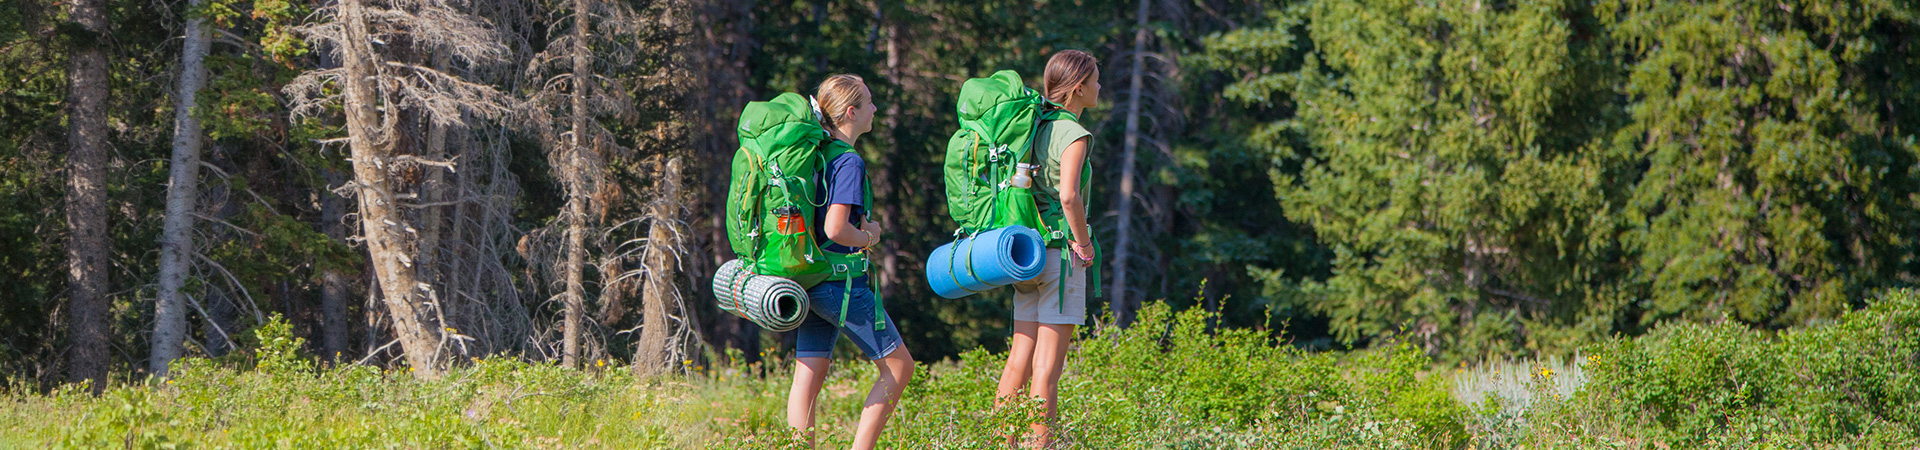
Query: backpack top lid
point(786, 120)
point(999, 106)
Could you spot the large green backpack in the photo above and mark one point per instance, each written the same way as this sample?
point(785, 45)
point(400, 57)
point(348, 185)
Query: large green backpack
point(998, 117)
point(775, 173)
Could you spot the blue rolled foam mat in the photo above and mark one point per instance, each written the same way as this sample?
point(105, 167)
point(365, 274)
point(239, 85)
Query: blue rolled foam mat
point(986, 260)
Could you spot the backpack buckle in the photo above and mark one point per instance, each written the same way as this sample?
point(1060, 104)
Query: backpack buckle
point(841, 268)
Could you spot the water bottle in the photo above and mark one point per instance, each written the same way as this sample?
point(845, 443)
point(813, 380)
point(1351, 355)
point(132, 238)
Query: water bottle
point(1022, 176)
point(790, 220)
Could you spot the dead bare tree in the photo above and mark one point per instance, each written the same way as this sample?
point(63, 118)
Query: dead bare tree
point(604, 50)
point(176, 241)
point(579, 144)
point(466, 217)
point(377, 93)
point(1150, 119)
point(334, 285)
point(665, 319)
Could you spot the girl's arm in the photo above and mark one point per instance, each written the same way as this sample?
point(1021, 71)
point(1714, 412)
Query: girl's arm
point(844, 233)
point(1072, 201)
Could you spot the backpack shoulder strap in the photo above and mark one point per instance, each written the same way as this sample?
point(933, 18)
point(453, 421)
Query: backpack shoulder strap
point(833, 149)
point(1049, 112)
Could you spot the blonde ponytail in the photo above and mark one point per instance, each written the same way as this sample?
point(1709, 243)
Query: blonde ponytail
point(838, 93)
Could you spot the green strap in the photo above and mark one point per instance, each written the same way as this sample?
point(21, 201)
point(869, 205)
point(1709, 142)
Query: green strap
point(1066, 270)
point(955, 276)
point(969, 259)
point(879, 306)
point(846, 267)
point(846, 298)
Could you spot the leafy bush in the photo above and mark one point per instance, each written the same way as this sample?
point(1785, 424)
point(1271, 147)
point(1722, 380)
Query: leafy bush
point(1847, 384)
point(1171, 382)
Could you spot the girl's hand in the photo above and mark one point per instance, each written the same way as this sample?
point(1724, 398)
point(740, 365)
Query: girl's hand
point(872, 230)
point(1082, 254)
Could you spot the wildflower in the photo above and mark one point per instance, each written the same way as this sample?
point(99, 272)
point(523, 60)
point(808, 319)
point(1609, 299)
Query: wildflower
point(600, 362)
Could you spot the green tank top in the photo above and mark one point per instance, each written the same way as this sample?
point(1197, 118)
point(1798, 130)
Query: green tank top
point(1051, 140)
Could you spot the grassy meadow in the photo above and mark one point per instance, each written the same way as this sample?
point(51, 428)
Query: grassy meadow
point(1167, 383)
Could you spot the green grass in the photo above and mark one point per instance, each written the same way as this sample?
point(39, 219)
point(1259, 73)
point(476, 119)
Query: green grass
point(1164, 384)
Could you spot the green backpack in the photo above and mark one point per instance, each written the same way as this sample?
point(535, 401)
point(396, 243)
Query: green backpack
point(998, 117)
point(770, 206)
point(770, 197)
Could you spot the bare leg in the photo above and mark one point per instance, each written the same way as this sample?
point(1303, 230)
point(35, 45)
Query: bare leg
point(1049, 359)
point(896, 369)
point(1019, 364)
point(808, 375)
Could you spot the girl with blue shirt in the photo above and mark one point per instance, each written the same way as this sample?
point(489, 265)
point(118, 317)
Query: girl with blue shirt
point(845, 305)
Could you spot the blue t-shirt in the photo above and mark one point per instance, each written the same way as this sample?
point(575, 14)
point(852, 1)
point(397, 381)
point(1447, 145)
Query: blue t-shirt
point(843, 181)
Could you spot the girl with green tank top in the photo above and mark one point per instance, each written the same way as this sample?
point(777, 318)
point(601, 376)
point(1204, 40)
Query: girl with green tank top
point(1049, 307)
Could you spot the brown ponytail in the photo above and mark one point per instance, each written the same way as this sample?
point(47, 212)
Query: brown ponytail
point(1066, 71)
point(838, 93)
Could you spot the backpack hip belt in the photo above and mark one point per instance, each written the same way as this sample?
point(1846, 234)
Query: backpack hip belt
point(846, 267)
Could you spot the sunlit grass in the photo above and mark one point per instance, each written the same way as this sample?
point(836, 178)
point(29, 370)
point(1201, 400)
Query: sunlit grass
point(1168, 382)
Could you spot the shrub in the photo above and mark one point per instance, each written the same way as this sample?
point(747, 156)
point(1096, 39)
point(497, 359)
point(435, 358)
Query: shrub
point(1847, 384)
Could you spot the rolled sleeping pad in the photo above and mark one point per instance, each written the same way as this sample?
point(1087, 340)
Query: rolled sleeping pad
point(986, 260)
point(774, 303)
point(725, 283)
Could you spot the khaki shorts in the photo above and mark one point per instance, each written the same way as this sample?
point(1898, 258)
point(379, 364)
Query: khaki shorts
point(1039, 299)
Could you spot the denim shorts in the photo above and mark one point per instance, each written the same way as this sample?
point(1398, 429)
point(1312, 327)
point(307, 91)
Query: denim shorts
point(816, 335)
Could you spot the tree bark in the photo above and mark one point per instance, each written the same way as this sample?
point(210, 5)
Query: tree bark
point(1120, 304)
point(432, 193)
point(183, 188)
point(86, 196)
point(890, 259)
point(653, 356)
point(383, 225)
point(577, 194)
point(334, 292)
